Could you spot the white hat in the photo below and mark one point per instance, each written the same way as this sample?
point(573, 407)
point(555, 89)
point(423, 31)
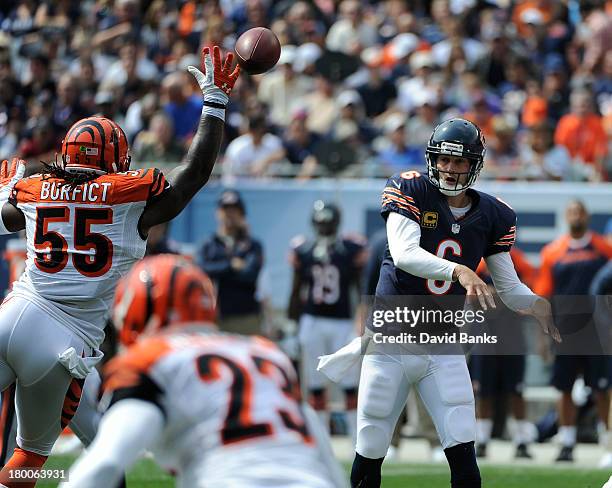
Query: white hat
point(305, 55)
point(425, 97)
point(287, 55)
point(421, 59)
point(403, 44)
point(394, 122)
point(532, 16)
point(347, 98)
point(372, 56)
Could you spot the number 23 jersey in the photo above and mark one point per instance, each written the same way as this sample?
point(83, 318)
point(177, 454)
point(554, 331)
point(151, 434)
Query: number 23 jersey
point(232, 409)
point(80, 240)
point(489, 227)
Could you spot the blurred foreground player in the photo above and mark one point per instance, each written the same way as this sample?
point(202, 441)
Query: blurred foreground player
point(568, 266)
point(325, 270)
point(216, 409)
point(86, 218)
point(438, 230)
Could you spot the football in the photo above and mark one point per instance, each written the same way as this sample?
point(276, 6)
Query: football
point(257, 50)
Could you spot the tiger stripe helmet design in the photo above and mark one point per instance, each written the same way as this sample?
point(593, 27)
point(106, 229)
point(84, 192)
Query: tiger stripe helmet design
point(160, 291)
point(95, 144)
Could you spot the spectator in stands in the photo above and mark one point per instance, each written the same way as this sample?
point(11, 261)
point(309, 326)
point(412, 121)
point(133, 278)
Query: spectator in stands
point(300, 145)
point(568, 266)
point(502, 155)
point(67, 108)
point(422, 67)
point(491, 64)
point(183, 107)
point(394, 154)
point(233, 260)
point(420, 126)
point(283, 89)
point(481, 114)
point(320, 105)
point(541, 158)
point(352, 32)
point(581, 132)
point(596, 35)
point(158, 144)
point(252, 152)
point(352, 114)
point(554, 87)
point(377, 92)
point(39, 77)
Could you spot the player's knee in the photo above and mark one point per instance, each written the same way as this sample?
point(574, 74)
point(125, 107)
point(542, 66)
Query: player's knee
point(464, 468)
point(459, 425)
point(350, 398)
point(372, 442)
point(318, 399)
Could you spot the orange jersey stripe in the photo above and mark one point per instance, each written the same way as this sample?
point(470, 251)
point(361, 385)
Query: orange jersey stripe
point(400, 202)
point(404, 206)
point(397, 192)
point(124, 370)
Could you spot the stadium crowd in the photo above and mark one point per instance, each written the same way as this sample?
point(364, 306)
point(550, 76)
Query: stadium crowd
point(357, 90)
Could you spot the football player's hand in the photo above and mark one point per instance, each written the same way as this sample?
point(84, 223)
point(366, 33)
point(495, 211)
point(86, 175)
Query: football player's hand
point(542, 312)
point(14, 169)
point(10, 173)
point(474, 286)
point(216, 79)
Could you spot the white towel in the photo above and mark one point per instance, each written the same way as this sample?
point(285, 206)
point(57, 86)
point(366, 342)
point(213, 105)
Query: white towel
point(79, 367)
point(336, 365)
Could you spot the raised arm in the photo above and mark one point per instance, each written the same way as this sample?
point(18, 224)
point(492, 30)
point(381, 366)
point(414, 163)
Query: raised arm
point(186, 180)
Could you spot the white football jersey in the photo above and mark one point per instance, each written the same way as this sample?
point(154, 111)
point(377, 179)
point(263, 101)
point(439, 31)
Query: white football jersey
point(232, 407)
point(80, 240)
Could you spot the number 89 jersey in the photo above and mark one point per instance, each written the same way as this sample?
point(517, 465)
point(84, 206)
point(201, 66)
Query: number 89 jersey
point(489, 227)
point(232, 405)
point(328, 268)
point(80, 240)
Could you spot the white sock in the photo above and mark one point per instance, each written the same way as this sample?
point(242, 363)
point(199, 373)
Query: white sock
point(604, 439)
point(483, 430)
point(324, 419)
point(351, 425)
point(567, 435)
point(520, 434)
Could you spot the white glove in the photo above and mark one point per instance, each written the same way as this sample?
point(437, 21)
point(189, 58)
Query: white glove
point(218, 79)
point(79, 367)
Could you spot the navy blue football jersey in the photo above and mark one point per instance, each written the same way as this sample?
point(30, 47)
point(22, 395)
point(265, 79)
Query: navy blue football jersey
point(489, 227)
point(328, 270)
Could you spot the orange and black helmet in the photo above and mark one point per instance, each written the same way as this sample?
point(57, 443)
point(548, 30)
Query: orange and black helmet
point(95, 144)
point(160, 291)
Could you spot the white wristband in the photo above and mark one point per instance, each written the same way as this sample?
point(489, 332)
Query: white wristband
point(214, 112)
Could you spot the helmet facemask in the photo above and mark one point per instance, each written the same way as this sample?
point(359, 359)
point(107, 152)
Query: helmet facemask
point(459, 138)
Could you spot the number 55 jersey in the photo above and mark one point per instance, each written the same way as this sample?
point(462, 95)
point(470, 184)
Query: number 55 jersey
point(81, 239)
point(232, 408)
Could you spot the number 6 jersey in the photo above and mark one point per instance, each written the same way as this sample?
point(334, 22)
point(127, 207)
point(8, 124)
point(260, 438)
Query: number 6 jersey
point(487, 228)
point(80, 240)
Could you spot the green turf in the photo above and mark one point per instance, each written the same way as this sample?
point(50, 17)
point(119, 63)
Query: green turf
point(146, 474)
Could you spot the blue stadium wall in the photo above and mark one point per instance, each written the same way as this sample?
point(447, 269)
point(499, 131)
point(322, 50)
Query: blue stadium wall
point(280, 210)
